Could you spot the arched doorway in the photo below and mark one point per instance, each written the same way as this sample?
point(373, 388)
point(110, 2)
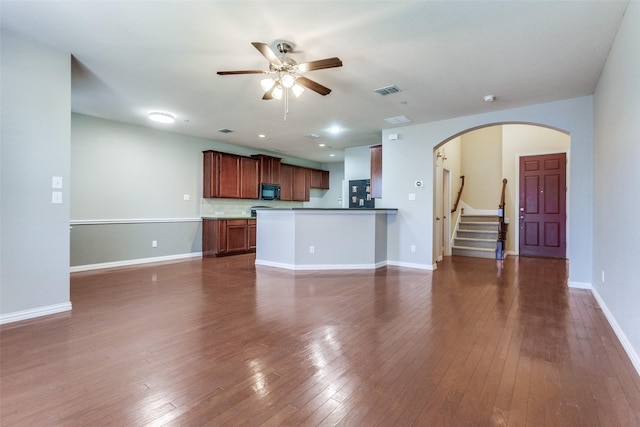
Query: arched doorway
point(485, 156)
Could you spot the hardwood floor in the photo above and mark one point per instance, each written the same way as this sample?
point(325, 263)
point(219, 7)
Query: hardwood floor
point(222, 342)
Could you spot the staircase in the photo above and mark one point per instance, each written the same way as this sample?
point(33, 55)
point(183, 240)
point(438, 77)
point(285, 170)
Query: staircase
point(476, 236)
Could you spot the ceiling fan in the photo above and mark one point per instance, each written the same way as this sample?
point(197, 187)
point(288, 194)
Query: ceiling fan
point(288, 73)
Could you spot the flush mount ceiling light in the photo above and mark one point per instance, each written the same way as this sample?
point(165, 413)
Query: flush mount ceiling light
point(287, 73)
point(489, 98)
point(162, 117)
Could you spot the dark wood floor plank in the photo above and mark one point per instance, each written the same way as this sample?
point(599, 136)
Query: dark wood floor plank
point(220, 341)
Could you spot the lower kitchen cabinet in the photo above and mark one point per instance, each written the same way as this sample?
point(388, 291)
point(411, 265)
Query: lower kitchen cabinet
point(228, 236)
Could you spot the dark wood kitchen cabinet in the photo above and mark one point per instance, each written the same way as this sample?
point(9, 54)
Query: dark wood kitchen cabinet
point(249, 178)
point(376, 171)
point(229, 176)
point(269, 168)
point(319, 179)
point(295, 183)
point(228, 236)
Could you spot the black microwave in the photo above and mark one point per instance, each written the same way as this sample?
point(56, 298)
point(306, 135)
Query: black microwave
point(270, 191)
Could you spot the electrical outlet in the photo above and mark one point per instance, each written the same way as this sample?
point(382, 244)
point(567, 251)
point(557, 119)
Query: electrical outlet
point(413, 248)
point(186, 197)
point(56, 197)
point(312, 249)
point(412, 196)
point(154, 243)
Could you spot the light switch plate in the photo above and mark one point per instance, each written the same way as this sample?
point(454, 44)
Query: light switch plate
point(412, 196)
point(56, 182)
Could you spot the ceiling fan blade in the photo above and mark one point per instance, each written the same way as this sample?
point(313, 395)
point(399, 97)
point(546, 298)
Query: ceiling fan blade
point(320, 64)
point(314, 86)
point(226, 73)
point(266, 51)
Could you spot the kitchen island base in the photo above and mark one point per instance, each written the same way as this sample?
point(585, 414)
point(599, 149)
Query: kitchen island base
point(323, 239)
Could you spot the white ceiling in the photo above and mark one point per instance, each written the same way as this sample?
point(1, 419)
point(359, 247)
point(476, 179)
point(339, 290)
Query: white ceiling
point(134, 56)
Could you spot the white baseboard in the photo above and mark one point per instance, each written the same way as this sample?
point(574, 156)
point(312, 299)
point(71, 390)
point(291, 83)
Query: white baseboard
point(34, 312)
point(130, 262)
point(310, 267)
point(628, 348)
point(413, 265)
point(580, 285)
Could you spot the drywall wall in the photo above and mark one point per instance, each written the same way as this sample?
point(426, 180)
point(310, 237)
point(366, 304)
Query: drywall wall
point(616, 181)
point(411, 158)
point(36, 105)
point(134, 185)
point(482, 167)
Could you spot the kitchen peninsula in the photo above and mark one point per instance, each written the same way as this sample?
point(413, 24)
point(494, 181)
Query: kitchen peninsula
point(322, 239)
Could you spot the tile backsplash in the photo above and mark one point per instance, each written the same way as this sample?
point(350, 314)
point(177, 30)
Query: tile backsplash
point(239, 207)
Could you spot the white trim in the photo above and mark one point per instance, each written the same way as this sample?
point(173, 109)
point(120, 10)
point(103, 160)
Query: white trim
point(413, 265)
point(580, 285)
point(130, 262)
point(628, 348)
point(17, 316)
point(321, 266)
point(131, 221)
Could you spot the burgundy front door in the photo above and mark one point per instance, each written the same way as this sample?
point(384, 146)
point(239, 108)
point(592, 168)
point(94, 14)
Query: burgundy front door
point(543, 205)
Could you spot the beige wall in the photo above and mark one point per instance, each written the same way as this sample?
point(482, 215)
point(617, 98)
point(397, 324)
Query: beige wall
point(481, 157)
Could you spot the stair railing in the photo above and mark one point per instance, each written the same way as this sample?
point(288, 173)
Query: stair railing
point(455, 207)
point(502, 225)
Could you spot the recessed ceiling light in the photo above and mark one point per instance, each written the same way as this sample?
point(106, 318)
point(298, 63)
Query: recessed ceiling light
point(489, 98)
point(312, 136)
point(262, 135)
point(162, 116)
point(322, 145)
point(332, 155)
point(335, 129)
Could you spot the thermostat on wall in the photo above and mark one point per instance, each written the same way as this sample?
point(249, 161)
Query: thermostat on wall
point(419, 183)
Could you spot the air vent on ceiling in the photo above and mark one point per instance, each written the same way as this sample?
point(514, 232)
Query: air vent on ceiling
point(398, 120)
point(387, 90)
point(225, 130)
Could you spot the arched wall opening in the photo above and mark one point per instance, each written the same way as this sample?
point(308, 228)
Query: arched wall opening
point(485, 155)
point(409, 157)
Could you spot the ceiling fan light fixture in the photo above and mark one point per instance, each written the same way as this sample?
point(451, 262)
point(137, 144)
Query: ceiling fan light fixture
point(277, 92)
point(267, 84)
point(297, 90)
point(288, 81)
point(162, 117)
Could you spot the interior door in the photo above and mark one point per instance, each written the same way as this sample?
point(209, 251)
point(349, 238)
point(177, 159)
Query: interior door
point(542, 207)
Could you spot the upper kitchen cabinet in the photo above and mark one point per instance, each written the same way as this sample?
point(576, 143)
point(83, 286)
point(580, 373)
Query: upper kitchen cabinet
point(249, 178)
point(376, 171)
point(319, 179)
point(229, 176)
point(269, 168)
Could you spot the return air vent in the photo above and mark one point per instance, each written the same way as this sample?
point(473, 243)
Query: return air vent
point(397, 120)
point(387, 90)
point(225, 130)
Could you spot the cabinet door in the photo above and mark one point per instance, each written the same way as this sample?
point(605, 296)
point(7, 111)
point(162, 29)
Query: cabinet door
point(286, 182)
point(229, 176)
point(251, 230)
point(269, 169)
point(248, 178)
point(376, 171)
point(324, 184)
point(210, 174)
point(319, 179)
point(301, 184)
point(237, 238)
